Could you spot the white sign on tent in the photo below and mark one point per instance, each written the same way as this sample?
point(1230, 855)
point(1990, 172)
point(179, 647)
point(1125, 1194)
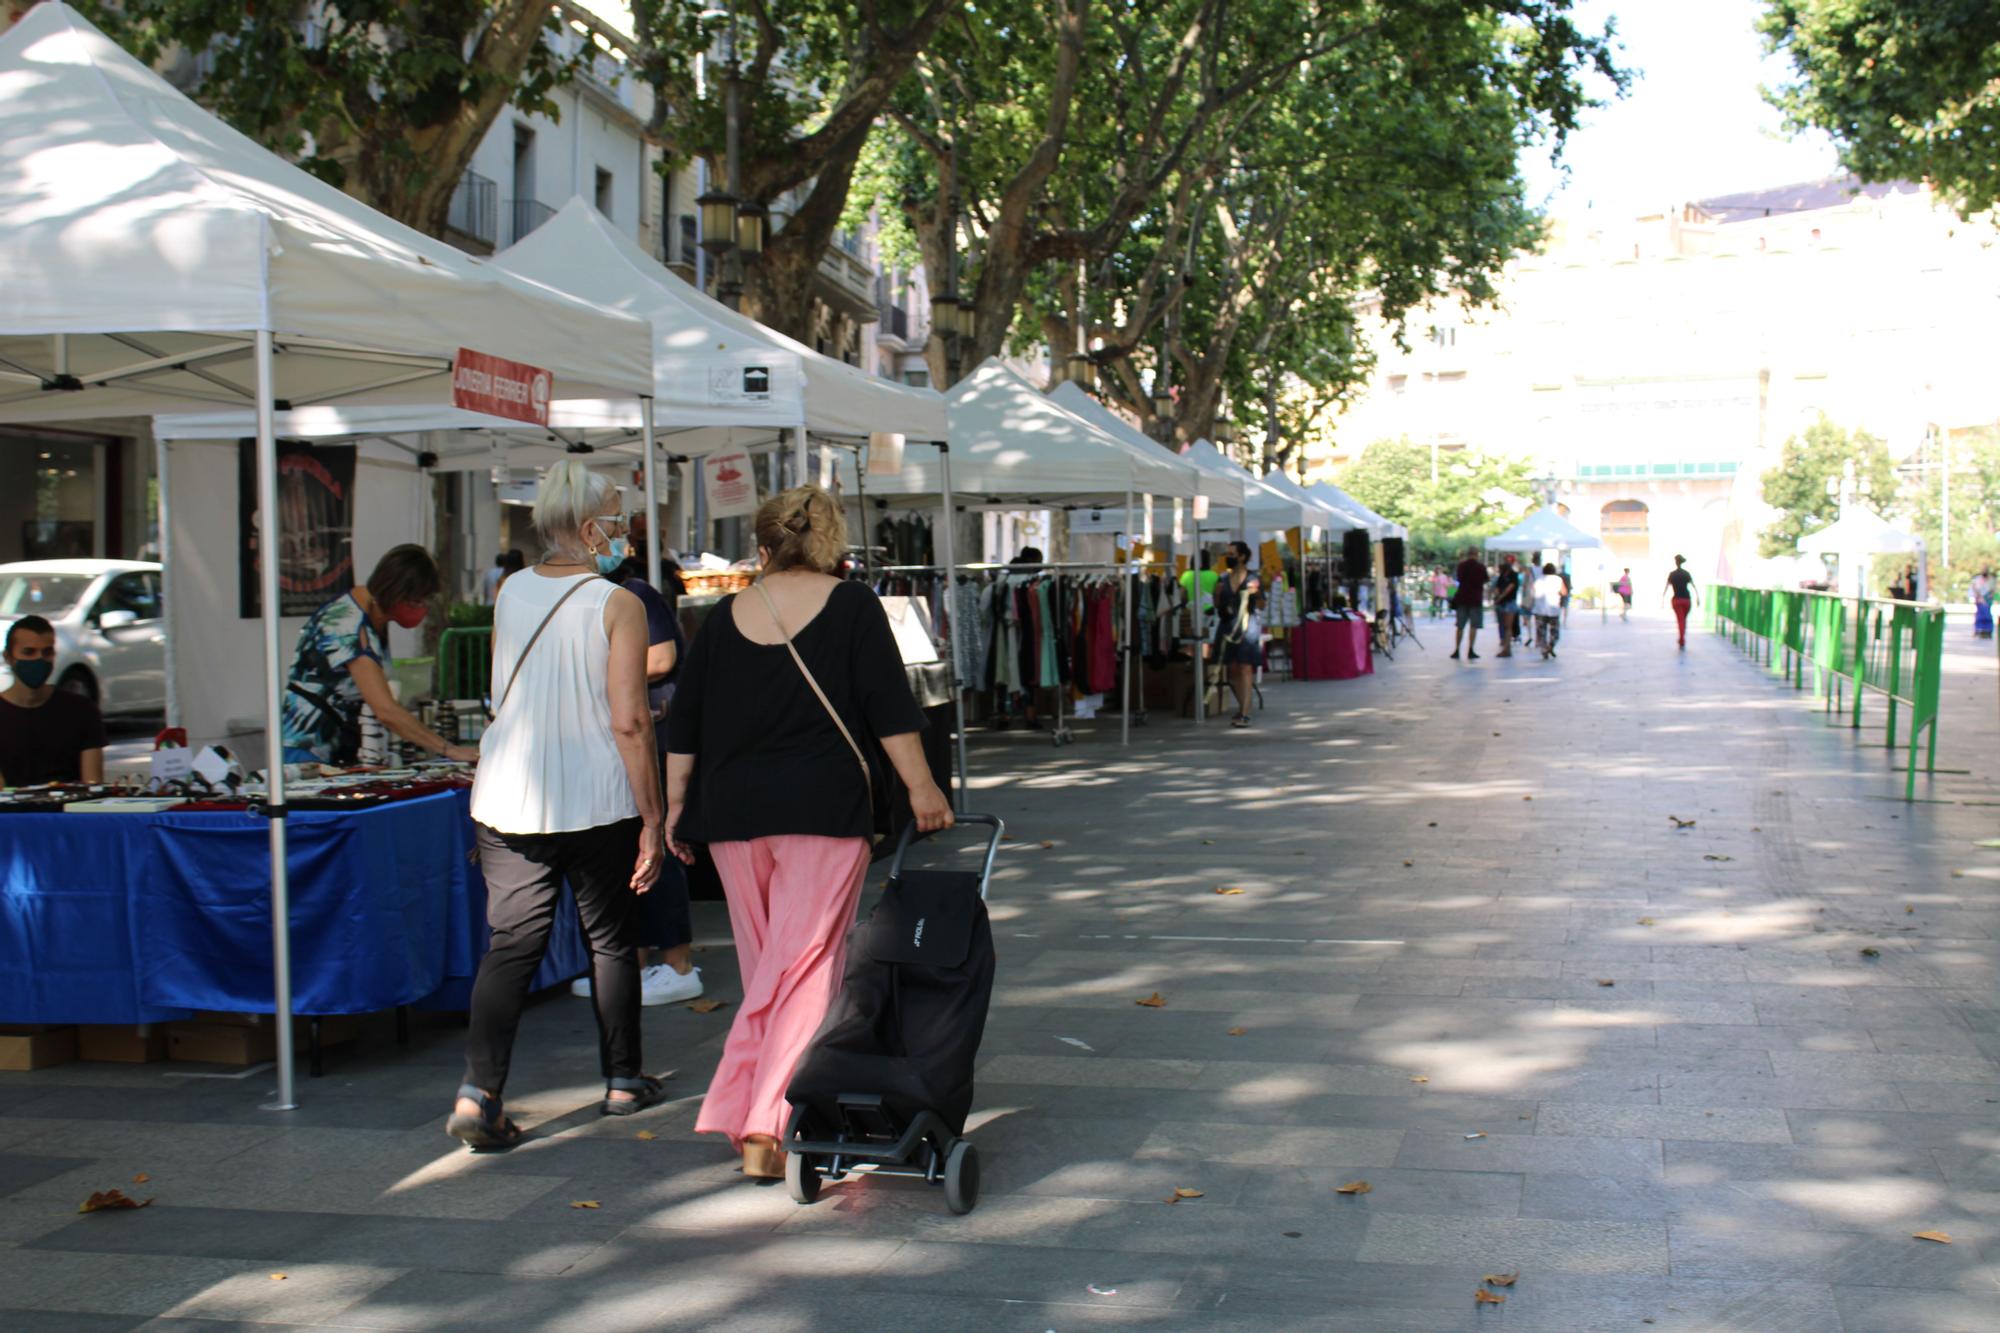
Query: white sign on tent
point(730, 483)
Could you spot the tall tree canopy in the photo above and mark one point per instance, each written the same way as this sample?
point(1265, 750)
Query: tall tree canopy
point(1475, 494)
point(1909, 89)
point(1798, 487)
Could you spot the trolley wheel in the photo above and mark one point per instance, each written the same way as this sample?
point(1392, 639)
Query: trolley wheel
point(801, 1178)
point(961, 1177)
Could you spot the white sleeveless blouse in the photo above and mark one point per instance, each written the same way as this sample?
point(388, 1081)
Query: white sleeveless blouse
point(548, 764)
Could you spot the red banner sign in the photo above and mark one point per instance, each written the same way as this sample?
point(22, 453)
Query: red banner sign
point(499, 387)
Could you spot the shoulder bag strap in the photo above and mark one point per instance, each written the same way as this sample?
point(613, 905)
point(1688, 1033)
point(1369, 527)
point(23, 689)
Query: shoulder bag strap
point(867, 773)
point(515, 674)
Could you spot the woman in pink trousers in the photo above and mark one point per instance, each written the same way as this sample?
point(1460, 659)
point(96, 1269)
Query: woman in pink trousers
point(766, 765)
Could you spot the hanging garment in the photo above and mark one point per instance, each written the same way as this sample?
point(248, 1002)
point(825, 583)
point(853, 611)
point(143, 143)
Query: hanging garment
point(1103, 642)
point(1046, 635)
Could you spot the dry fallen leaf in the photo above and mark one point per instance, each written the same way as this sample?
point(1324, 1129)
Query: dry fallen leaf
point(646, 1134)
point(1409, 863)
point(105, 1200)
point(1355, 1187)
point(1180, 1194)
point(584, 1203)
point(1942, 1238)
point(706, 1006)
point(1419, 1078)
point(1501, 1279)
point(1101, 1291)
point(279, 1277)
point(1606, 981)
point(1153, 1001)
point(1485, 1297)
point(1909, 911)
point(1237, 1032)
point(1871, 953)
point(141, 1178)
point(1226, 890)
point(1681, 823)
point(1645, 921)
point(1047, 845)
point(1478, 1134)
point(1527, 798)
point(1711, 856)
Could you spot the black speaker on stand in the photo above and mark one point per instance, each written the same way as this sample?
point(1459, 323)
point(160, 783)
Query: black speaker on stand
point(1392, 557)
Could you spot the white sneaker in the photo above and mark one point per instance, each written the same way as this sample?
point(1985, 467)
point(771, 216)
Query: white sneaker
point(660, 984)
point(580, 988)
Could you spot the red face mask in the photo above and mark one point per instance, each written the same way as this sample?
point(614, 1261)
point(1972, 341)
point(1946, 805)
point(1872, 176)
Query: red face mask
point(410, 614)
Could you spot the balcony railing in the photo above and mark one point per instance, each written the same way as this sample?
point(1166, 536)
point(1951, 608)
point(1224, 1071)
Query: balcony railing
point(895, 322)
point(528, 215)
point(475, 208)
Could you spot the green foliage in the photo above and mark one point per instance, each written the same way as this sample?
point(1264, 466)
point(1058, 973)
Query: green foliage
point(1797, 487)
point(1476, 495)
point(1975, 510)
point(1907, 88)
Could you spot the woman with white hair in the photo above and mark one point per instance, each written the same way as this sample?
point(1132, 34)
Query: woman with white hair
point(568, 789)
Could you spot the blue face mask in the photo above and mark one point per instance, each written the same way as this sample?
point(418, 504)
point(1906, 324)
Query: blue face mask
point(33, 673)
point(608, 564)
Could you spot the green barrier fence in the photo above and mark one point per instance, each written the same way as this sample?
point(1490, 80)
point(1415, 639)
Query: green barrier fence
point(465, 663)
point(1843, 649)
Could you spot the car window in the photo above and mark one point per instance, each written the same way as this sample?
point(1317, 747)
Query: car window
point(48, 595)
point(129, 592)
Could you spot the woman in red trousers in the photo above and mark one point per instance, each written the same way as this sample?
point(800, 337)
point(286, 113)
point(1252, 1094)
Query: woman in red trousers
point(1680, 585)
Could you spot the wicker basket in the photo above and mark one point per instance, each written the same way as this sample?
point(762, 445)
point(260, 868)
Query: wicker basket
point(717, 581)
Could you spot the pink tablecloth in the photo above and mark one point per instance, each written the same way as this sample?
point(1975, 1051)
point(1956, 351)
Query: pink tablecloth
point(1331, 650)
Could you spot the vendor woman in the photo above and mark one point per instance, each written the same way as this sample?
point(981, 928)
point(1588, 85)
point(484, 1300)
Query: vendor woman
point(342, 665)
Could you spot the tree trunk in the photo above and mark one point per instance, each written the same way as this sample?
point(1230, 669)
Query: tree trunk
point(778, 284)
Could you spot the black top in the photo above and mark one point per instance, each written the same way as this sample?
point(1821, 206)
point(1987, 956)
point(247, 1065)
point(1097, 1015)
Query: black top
point(1229, 600)
point(46, 744)
point(1471, 583)
point(1682, 583)
point(662, 626)
point(1506, 584)
point(768, 760)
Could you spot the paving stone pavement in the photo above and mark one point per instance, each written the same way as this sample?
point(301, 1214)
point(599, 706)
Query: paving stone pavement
point(1474, 963)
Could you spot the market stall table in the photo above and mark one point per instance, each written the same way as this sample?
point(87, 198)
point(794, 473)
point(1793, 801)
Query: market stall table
point(1331, 650)
point(144, 918)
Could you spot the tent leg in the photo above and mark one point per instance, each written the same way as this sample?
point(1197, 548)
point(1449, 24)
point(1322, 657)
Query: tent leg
point(802, 468)
point(162, 461)
point(268, 547)
point(652, 495)
point(1125, 594)
point(1200, 663)
point(948, 553)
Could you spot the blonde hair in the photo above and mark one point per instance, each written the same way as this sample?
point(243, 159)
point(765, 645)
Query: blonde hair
point(804, 527)
point(569, 497)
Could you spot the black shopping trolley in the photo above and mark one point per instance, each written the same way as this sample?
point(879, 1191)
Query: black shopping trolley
point(887, 1083)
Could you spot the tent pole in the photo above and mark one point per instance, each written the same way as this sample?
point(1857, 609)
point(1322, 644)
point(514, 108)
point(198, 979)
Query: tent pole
point(652, 494)
point(268, 547)
point(1200, 663)
point(800, 450)
point(1125, 593)
point(162, 461)
point(948, 552)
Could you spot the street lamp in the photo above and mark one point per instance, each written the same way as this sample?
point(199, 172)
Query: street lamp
point(1081, 370)
point(718, 222)
point(750, 222)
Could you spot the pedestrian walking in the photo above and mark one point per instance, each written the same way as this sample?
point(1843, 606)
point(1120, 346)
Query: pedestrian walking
point(1624, 590)
point(1440, 592)
point(1547, 602)
point(1239, 627)
point(1507, 602)
point(568, 790)
point(765, 764)
point(1982, 604)
point(1680, 586)
point(1469, 602)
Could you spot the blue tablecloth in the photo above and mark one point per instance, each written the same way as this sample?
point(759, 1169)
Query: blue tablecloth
point(117, 918)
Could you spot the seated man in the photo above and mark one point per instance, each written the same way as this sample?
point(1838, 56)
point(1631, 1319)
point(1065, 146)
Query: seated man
point(46, 734)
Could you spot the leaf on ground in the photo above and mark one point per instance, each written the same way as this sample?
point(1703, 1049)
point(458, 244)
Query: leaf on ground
point(279, 1277)
point(1502, 1279)
point(1940, 1237)
point(1871, 953)
point(1183, 1193)
point(1711, 856)
point(1227, 890)
point(1419, 1078)
point(1606, 981)
point(1681, 823)
point(1477, 1134)
point(1237, 1032)
point(584, 1203)
point(141, 1178)
point(1208, 842)
point(1409, 863)
point(1755, 829)
point(1909, 911)
point(1527, 798)
point(646, 1134)
point(107, 1200)
point(1958, 874)
point(1047, 845)
point(1645, 921)
point(706, 1006)
point(1355, 1187)
point(1101, 1291)
point(1153, 1001)
point(1432, 824)
point(1485, 1297)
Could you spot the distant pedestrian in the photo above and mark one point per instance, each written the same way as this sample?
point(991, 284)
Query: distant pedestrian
point(1507, 602)
point(1440, 592)
point(1624, 590)
point(1469, 602)
point(1982, 604)
point(1680, 584)
point(489, 584)
point(1547, 601)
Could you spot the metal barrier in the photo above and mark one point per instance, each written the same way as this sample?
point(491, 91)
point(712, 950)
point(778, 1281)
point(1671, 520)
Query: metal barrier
point(465, 663)
point(1841, 646)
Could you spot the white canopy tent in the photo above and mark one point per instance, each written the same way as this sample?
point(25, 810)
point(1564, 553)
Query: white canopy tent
point(1543, 530)
point(1855, 539)
point(1219, 488)
point(1322, 515)
point(1332, 496)
point(152, 258)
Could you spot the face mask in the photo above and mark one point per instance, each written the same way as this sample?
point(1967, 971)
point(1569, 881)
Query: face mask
point(609, 563)
point(33, 673)
point(409, 615)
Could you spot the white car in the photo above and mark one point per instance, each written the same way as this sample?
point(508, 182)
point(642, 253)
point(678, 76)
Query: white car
point(110, 622)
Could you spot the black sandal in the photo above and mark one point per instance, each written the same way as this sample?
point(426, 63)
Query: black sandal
point(649, 1092)
point(1240, 720)
point(489, 1131)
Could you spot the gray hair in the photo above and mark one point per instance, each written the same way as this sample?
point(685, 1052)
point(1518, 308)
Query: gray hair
point(570, 496)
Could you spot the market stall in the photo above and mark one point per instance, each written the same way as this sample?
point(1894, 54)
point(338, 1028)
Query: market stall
point(154, 259)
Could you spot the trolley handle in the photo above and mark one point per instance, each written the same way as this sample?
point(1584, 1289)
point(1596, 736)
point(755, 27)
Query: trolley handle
point(997, 829)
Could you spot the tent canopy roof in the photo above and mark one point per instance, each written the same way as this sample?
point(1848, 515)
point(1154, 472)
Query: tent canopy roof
point(143, 243)
point(1378, 527)
point(1264, 508)
point(1543, 530)
point(1011, 443)
point(1325, 516)
point(1859, 531)
point(1220, 488)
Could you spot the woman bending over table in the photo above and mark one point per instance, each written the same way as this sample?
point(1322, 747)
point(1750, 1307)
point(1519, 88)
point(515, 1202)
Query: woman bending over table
point(765, 765)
